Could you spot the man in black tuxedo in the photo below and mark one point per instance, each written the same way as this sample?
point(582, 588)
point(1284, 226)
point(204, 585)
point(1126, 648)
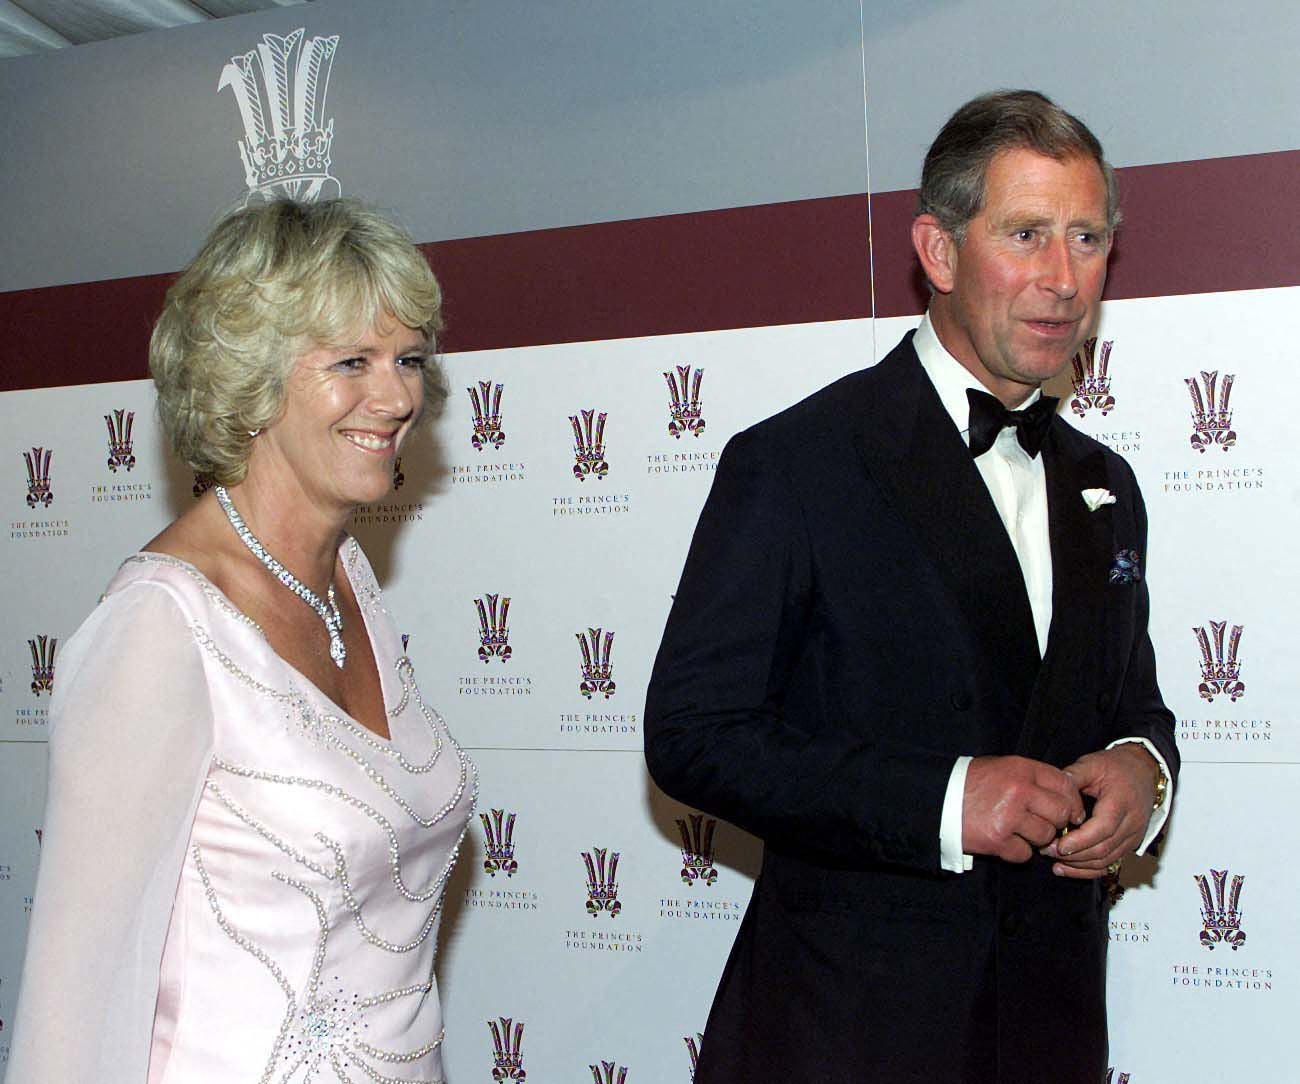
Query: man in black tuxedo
point(909, 651)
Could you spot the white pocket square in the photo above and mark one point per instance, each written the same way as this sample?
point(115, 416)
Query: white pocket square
point(1095, 498)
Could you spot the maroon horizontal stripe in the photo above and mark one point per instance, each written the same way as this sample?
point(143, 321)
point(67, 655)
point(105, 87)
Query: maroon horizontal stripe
point(84, 333)
point(1191, 227)
point(779, 263)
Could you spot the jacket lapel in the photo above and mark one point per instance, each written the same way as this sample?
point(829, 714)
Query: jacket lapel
point(1082, 547)
point(911, 449)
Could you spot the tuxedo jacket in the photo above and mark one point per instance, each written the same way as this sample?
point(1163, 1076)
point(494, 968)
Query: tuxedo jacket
point(851, 618)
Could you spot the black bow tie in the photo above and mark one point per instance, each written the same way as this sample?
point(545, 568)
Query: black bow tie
point(988, 417)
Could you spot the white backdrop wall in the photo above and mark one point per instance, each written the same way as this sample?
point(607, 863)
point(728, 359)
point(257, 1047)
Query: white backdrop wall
point(520, 940)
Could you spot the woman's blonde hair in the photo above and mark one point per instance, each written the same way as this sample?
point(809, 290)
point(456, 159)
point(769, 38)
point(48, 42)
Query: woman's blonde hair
point(271, 282)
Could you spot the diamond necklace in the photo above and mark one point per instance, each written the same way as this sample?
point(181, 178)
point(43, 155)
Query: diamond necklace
point(329, 614)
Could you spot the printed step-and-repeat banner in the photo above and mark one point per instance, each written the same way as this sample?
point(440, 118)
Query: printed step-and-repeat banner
point(530, 549)
point(533, 539)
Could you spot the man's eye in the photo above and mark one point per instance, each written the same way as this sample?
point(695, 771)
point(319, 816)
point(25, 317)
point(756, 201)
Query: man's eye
point(1025, 235)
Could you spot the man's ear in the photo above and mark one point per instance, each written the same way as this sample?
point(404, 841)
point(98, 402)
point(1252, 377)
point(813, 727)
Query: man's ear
point(936, 248)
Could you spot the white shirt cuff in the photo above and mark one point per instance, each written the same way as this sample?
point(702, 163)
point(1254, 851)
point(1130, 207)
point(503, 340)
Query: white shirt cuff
point(951, 857)
point(1161, 812)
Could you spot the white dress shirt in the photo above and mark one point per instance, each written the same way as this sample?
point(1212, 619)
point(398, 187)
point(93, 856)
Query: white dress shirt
point(1018, 485)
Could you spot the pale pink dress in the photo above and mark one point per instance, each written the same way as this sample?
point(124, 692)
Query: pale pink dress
point(238, 881)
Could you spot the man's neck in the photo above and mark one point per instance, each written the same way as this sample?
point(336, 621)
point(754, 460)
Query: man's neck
point(950, 377)
point(1012, 394)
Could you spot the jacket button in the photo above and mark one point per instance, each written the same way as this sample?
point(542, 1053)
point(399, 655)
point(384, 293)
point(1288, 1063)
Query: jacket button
point(961, 700)
point(1104, 702)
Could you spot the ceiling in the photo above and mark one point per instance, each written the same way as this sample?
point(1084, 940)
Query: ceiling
point(32, 26)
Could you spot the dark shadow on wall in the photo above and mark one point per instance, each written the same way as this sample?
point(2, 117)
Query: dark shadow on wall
point(1139, 875)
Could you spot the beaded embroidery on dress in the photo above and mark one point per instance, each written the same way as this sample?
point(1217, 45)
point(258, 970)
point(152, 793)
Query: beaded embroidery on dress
point(301, 941)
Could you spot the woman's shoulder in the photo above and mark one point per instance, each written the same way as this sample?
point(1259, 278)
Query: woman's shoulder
point(186, 560)
point(182, 566)
point(155, 579)
point(143, 618)
point(149, 572)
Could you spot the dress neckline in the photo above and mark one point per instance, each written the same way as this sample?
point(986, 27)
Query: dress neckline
point(348, 559)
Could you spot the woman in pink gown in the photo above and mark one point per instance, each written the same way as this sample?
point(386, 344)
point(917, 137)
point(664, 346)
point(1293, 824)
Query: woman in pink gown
point(252, 814)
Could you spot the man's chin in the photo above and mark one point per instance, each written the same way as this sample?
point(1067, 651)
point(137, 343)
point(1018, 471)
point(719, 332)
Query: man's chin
point(1040, 366)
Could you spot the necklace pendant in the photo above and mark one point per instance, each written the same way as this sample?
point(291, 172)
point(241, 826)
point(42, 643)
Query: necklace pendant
point(330, 615)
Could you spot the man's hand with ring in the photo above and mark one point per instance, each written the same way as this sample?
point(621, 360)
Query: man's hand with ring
point(1123, 782)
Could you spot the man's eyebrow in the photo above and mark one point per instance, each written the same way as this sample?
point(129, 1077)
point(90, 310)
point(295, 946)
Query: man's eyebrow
point(1031, 220)
point(1020, 220)
point(1028, 218)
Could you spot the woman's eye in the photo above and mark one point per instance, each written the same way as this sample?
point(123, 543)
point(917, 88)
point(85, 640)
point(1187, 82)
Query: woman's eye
point(413, 361)
point(350, 364)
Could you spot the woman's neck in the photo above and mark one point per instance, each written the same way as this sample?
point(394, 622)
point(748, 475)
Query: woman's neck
point(297, 532)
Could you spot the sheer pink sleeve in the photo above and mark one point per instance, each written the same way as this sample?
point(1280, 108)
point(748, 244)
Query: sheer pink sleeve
point(130, 741)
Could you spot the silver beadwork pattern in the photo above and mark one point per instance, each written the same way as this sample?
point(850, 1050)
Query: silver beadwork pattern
point(323, 787)
point(257, 953)
point(323, 1035)
point(363, 581)
point(366, 767)
point(257, 826)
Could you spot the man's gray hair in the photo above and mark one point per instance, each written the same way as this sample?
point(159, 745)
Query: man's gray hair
point(952, 180)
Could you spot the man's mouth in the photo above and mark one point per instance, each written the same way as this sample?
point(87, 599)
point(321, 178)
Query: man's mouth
point(1053, 326)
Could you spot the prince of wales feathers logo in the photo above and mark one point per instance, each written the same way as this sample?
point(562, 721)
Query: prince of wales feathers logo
point(493, 632)
point(280, 89)
point(684, 402)
point(693, 1043)
point(1220, 667)
point(606, 1073)
point(1220, 913)
point(120, 423)
point(499, 843)
point(1092, 379)
point(589, 445)
point(43, 648)
point(38, 477)
point(507, 1058)
point(486, 400)
point(1211, 417)
point(697, 848)
point(602, 881)
point(597, 669)
point(1111, 1078)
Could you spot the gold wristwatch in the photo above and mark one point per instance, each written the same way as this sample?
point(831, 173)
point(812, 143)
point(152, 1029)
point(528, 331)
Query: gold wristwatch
point(1162, 786)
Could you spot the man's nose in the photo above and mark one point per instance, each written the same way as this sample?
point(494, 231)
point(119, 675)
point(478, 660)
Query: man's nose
point(1058, 271)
